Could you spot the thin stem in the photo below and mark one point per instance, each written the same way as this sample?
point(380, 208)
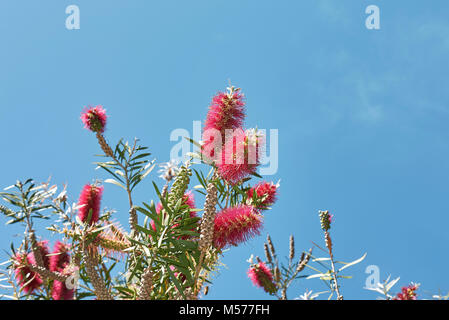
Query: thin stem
point(197, 272)
point(108, 151)
point(227, 195)
point(334, 273)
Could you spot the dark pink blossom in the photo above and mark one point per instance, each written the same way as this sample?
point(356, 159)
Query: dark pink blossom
point(235, 225)
point(262, 277)
point(43, 248)
point(94, 119)
point(226, 111)
point(407, 293)
point(60, 257)
point(61, 292)
point(90, 200)
point(239, 156)
point(28, 280)
point(265, 192)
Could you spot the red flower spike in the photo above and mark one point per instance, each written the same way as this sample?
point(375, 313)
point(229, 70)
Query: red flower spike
point(90, 200)
point(43, 248)
point(61, 292)
point(262, 277)
point(236, 225)
point(28, 280)
point(226, 111)
point(60, 257)
point(239, 156)
point(265, 192)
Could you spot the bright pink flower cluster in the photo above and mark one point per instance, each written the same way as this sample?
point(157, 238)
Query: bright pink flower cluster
point(239, 156)
point(90, 200)
point(235, 225)
point(60, 257)
point(262, 277)
point(265, 193)
point(59, 260)
point(407, 293)
point(225, 142)
point(227, 111)
point(28, 280)
point(60, 291)
point(43, 248)
point(94, 119)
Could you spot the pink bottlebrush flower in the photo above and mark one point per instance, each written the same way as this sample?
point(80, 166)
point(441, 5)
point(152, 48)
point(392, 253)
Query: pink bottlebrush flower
point(226, 111)
point(59, 260)
point(235, 225)
point(189, 199)
point(262, 277)
point(59, 290)
point(240, 156)
point(94, 119)
point(43, 248)
point(264, 191)
point(28, 280)
point(60, 257)
point(212, 144)
point(407, 293)
point(90, 200)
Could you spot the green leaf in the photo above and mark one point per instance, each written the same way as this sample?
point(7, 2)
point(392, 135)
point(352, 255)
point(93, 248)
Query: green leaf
point(190, 245)
point(152, 215)
point(175, 281)
point(146, 231)
point(193, 142)
point(142, 155)
point(257, 175)
point(106, 168)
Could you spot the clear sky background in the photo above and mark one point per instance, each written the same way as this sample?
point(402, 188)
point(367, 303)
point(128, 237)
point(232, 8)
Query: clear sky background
point(362, 114)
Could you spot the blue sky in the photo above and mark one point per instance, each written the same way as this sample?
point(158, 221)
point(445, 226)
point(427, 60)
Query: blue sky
point(362, 114)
